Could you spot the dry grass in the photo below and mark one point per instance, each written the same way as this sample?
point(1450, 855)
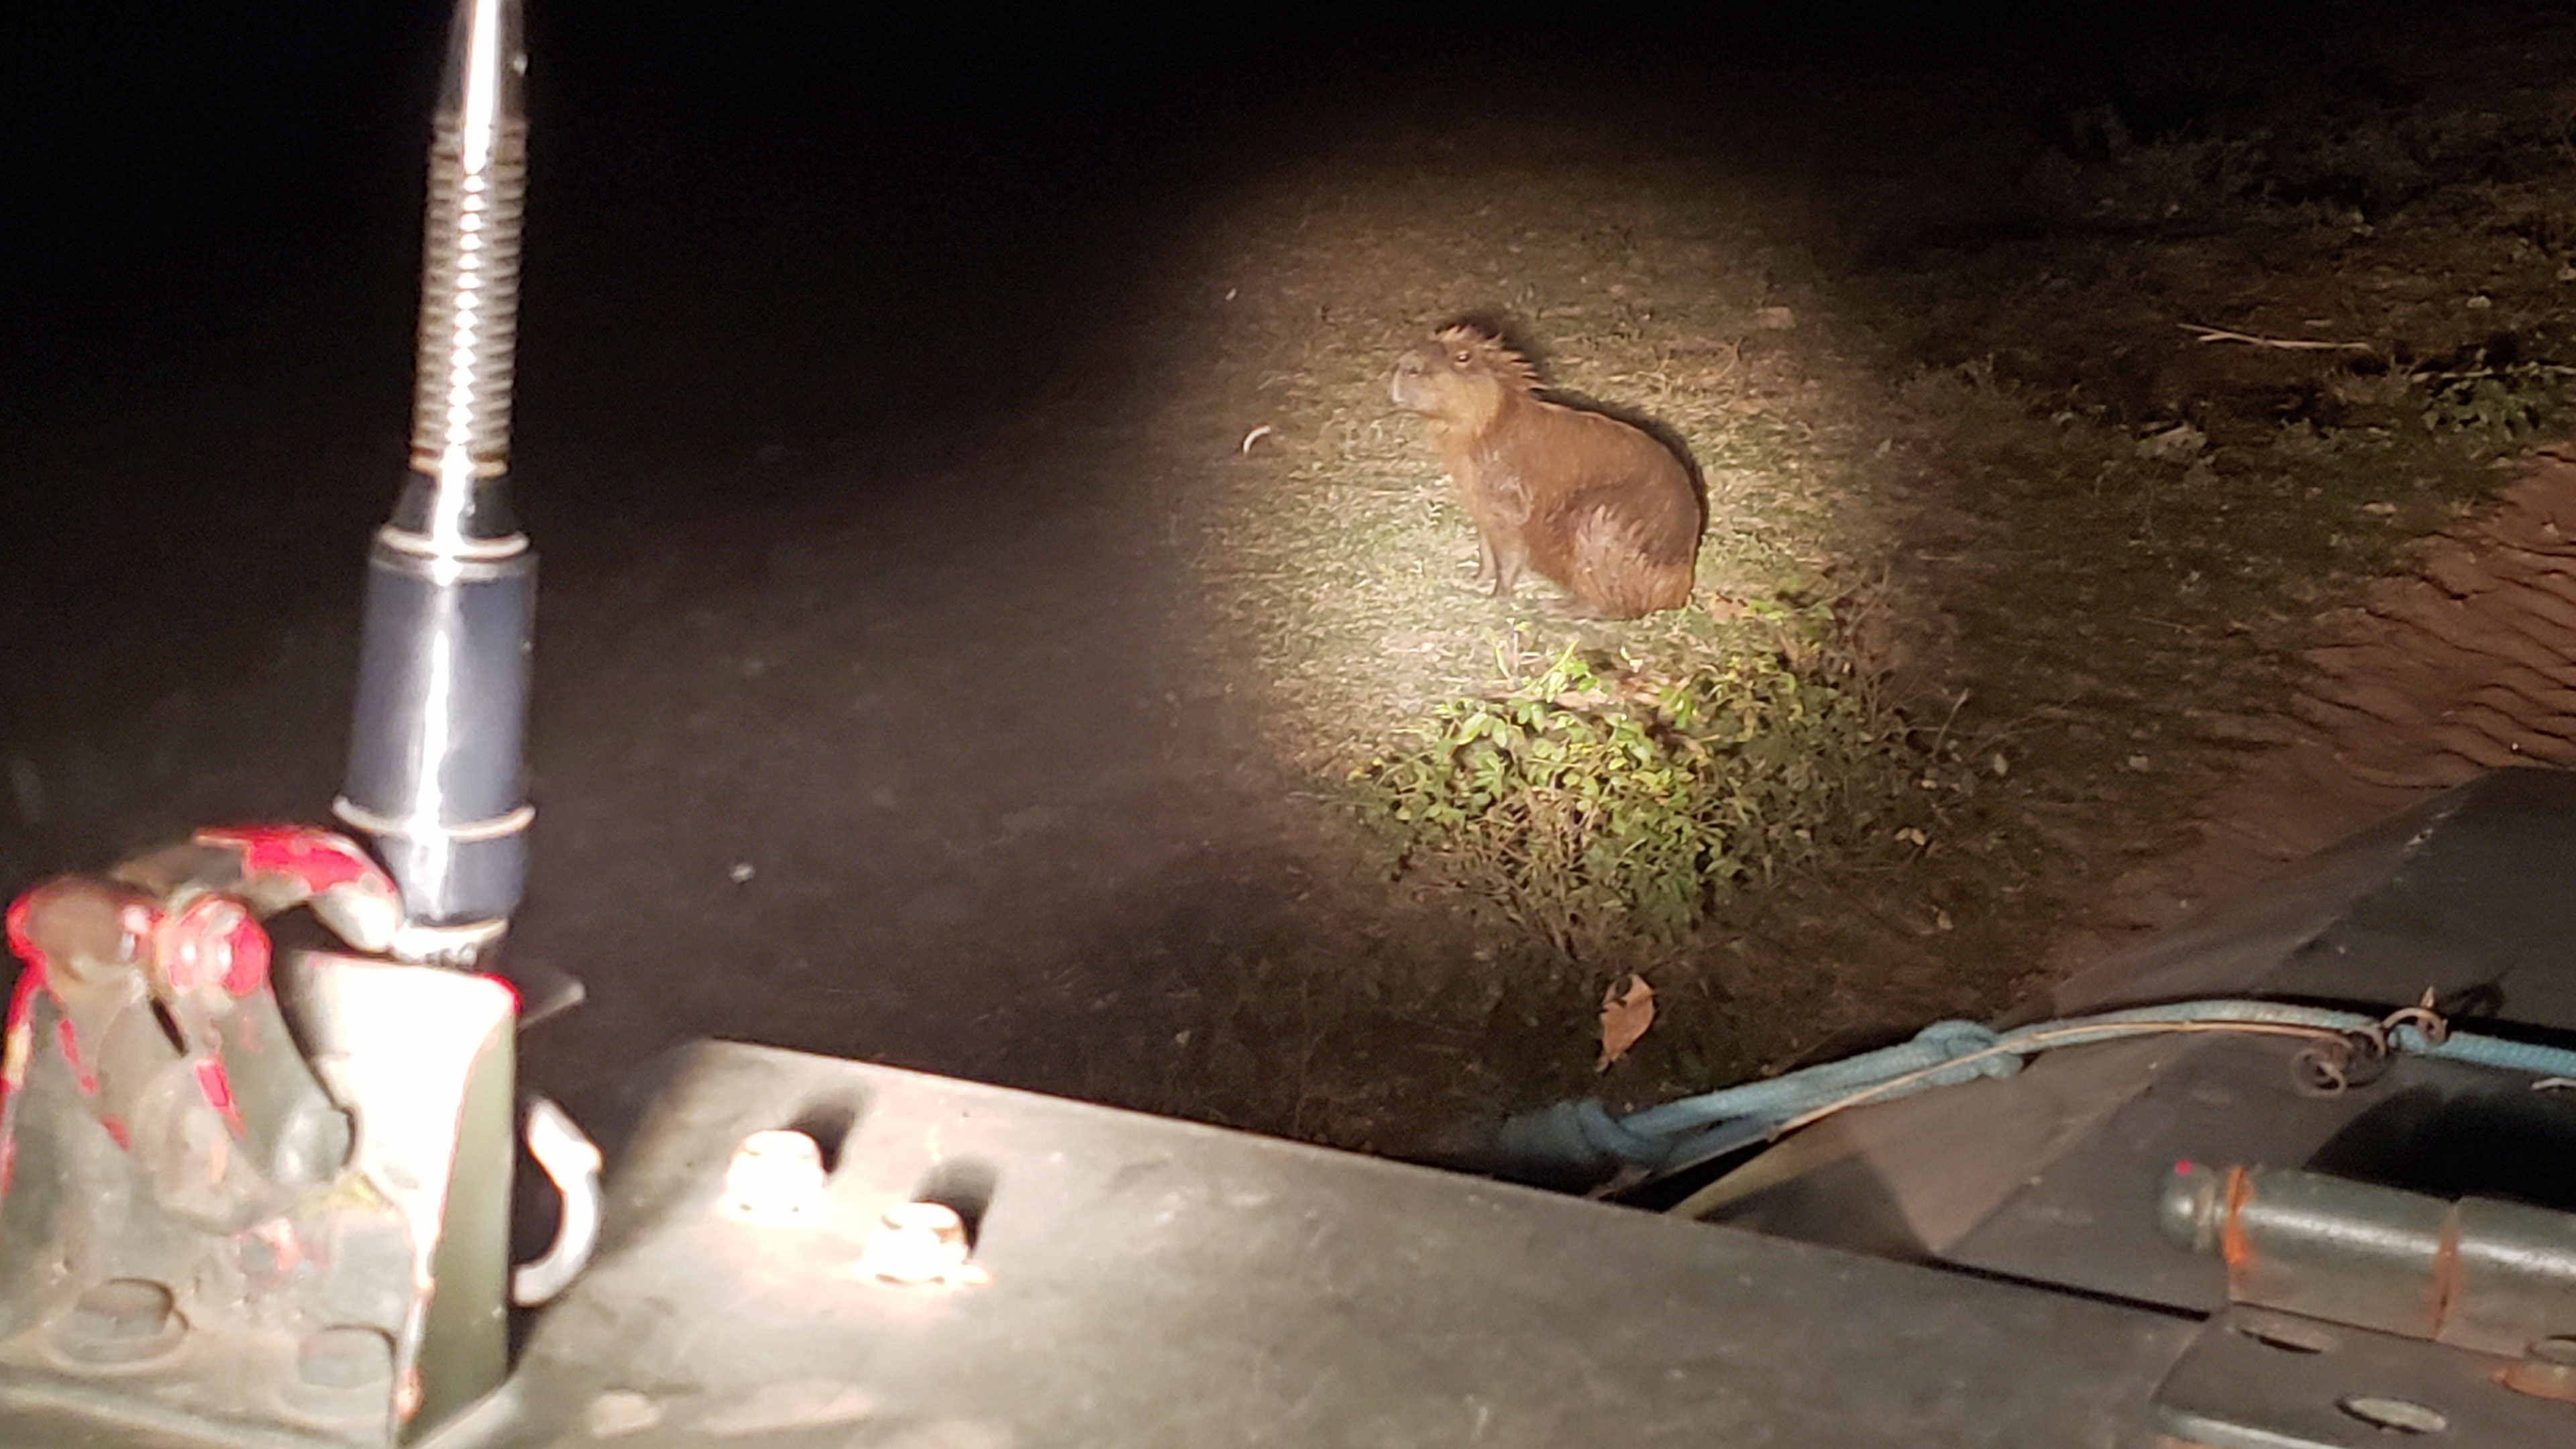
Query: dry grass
point(1336, 562)
point(2074, 550)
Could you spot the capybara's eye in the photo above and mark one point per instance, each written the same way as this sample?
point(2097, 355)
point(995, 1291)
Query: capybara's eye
point(1463, 358)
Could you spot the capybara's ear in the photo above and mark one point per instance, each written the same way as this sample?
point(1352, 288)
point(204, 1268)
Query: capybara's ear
point(1474, 347)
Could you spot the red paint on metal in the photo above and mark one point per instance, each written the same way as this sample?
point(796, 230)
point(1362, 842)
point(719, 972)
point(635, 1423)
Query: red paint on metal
point(177, 952)
point(116, 1129)
point(248, 948)
point(20, 1033)
point(218, 1089)
point(22, 1001)
point(67, 1037)
point(317, 860)
point(2443, 1291)
point(2232, 1246)
point(285, 1250)
point(23, 948)
point(215, 937)
point(35, 970)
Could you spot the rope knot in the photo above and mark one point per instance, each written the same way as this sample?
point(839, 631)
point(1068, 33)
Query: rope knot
point(1948, 1041)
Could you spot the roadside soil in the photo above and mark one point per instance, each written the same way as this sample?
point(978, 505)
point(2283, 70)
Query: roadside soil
point(977, 690)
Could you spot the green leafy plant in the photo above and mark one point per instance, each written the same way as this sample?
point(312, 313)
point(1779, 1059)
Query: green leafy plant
point(1601, 805)
point(2511, 399)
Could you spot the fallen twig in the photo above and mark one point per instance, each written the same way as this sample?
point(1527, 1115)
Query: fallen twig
point(2282, 344)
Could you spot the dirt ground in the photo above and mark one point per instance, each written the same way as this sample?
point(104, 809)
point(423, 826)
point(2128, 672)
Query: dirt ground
point(954, 654)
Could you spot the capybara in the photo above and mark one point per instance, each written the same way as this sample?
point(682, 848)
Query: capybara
point(1597, 505)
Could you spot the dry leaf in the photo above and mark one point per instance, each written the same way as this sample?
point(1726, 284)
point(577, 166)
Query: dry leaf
point(1625, 1015)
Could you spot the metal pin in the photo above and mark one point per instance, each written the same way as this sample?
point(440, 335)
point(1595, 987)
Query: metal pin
point(435, 778)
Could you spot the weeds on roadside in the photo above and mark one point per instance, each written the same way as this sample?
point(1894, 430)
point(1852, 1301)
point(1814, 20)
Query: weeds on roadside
point(2508, 401)
point(1608, 808)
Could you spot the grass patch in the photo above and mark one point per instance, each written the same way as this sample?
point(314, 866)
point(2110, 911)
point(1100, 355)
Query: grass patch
point(1626, 793)
point(1984, 509)
point(1608, 808)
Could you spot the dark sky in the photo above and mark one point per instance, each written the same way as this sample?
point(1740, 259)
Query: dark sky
point(134, 129)
point(177, 173)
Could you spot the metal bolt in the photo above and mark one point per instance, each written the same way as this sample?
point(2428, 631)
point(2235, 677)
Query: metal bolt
point(2192, 1204)
point(775, 1179)
point(920, 1242)
point(2546, 1370)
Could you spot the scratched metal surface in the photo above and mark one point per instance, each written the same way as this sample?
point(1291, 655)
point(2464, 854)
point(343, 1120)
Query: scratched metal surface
point(1160, 1283)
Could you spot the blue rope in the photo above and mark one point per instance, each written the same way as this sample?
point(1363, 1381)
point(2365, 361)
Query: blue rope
point(1582, 1138)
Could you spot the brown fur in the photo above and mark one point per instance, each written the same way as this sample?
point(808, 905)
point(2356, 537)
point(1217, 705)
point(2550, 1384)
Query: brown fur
point(1587, 500)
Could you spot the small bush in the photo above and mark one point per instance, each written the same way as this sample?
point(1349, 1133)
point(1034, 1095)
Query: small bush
point(1602, 807)
point(2509, 401)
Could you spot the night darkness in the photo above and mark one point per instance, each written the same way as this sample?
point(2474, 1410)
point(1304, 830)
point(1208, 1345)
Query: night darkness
point(870, 719)
point(180, 172)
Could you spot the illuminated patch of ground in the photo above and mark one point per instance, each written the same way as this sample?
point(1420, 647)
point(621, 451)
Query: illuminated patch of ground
point(890, 706)
point(2057, 441)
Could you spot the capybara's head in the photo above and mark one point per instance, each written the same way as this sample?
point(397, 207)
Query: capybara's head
point(1460, 377)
